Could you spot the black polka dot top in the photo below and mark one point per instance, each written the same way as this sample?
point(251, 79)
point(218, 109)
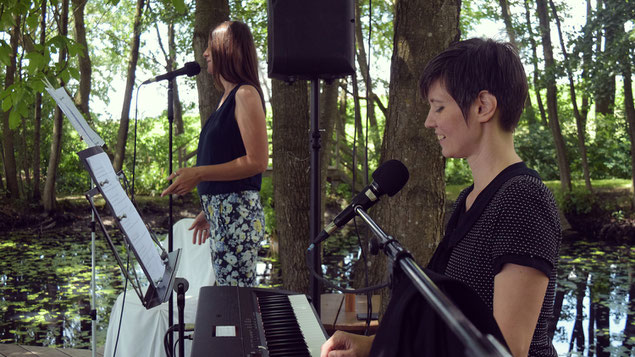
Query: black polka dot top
point(513, 220)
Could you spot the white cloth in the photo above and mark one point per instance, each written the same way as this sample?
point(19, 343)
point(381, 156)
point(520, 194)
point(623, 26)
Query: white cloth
point(142, 330)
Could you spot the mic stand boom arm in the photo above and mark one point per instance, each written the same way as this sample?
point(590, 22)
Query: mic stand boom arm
point(472, 338)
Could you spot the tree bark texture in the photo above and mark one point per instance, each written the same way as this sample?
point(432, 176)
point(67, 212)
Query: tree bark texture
point(85, 66)
point(291, 180)
point(48, 196)
point(208, 14)
point(122, 134)
point(414, 216)
point(10, 168)
point(552, 96)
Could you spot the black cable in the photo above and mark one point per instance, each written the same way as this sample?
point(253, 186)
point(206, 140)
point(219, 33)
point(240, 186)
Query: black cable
point(123, 302)
point(337, 287)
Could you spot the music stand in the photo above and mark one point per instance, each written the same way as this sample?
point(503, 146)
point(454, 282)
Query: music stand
point(159, 269)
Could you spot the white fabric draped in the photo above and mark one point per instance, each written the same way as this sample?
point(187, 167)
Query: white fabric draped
point(142, 330)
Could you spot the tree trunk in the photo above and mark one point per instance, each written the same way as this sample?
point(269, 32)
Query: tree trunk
point(415, 215)
point(605, 76)
point(587, 58)
point(358, 141)
point(579, 120)
point(509, 28)
point(82, 97)
point(208, 14)
point(629, 108)
point(122, 135)
point(363, 68)
point(534, 60)
point(328, 116)
point(552, 97)
point(48, 198)
point(10, 167)
point(38, 118)
point(291, 180)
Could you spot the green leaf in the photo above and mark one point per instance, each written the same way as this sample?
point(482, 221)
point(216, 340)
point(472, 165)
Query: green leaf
point(6, 105)
point(179, 5)
point(5, 54)
point(14, 119)
point(74, 72)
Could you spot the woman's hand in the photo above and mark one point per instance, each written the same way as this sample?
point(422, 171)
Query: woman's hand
point(201, 229)
point(184, 181)
point(344, 344)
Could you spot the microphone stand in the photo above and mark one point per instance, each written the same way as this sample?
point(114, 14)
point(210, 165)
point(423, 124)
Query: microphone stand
point(170, 231)
point(475, 343)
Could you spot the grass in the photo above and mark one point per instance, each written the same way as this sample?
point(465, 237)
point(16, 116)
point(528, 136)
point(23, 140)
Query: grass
point(452, 191)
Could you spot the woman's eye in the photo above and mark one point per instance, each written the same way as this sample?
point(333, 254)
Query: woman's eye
point(439, 109)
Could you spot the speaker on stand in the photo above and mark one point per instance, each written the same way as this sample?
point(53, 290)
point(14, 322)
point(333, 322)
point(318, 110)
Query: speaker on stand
point(311, 40)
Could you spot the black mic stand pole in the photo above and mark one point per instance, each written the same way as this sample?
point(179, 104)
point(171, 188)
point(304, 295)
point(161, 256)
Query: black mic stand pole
point(181, 286)
point(316, 206)
point(170, 232)
point(475, 343)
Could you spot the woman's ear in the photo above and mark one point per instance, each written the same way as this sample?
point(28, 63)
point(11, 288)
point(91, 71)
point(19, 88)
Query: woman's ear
point(486, 106)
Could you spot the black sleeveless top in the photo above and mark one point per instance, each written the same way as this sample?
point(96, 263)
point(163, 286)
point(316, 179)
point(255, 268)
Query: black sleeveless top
point(220, 141)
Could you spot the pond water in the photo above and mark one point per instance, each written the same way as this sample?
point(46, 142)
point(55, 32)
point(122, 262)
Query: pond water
point(45, 288)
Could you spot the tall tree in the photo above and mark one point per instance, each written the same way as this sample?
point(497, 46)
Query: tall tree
point(38, 117)
point(48, 197)
point(124, 121)
point(534, 61)
point(552, 96)
point(291, 181)
point(579, 120)
point(82, 97)
point(605, 70)
point(511, 33)
point(207, 15)
point(362, 61)
point(415, 215)
point(10, 168)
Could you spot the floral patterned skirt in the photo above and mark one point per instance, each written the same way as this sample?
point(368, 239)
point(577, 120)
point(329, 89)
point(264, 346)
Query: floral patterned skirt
point(237, 226)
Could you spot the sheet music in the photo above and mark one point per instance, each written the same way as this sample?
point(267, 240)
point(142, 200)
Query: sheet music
point(67, 106)
point(127, 214)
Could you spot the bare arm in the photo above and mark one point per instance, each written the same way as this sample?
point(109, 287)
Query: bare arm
point(250, 117)
point(518, 295)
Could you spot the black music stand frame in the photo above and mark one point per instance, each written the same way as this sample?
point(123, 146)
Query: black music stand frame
point(157, 293)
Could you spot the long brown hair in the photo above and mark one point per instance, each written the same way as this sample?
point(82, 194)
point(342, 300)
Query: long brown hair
point(234, 54)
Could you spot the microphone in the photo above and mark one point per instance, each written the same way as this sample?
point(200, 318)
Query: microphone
point(389, 178)
point(190, 68)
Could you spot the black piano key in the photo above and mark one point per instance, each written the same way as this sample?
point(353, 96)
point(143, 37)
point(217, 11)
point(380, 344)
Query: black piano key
point(282, 332)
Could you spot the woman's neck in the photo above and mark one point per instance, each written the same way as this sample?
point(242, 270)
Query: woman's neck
point(496, 155)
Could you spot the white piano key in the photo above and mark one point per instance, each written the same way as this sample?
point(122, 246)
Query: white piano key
point(311, 329)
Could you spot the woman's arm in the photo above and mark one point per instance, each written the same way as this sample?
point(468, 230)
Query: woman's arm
point(518, 295)
point(250, 117)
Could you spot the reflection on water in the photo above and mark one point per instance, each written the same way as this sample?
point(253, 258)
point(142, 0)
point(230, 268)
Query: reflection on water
point(594, 301)
point(45, 283)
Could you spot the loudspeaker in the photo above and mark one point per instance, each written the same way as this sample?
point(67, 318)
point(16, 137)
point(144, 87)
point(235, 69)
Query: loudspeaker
point(310, 39)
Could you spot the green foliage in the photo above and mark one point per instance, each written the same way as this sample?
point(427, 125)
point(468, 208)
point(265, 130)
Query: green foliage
point(457, 172)
point(577, 201)
point(266, 198)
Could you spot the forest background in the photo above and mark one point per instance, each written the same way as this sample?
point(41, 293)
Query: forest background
point(577, 131)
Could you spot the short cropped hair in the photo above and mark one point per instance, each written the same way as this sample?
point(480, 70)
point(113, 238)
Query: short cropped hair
point(470, 66)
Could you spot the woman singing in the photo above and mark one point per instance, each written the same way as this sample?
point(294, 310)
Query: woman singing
point(232, 154)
